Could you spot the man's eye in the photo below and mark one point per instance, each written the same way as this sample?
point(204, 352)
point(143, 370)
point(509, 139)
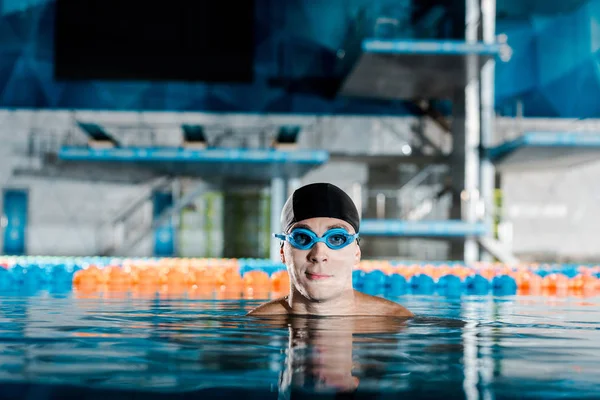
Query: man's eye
point(337, 240)
point(302, 238)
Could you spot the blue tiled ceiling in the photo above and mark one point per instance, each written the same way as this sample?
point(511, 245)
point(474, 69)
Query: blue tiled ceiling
point(297, 68)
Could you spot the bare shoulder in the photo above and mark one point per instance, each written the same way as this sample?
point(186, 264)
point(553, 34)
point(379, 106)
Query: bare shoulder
point(373, 305)
point(273, 307)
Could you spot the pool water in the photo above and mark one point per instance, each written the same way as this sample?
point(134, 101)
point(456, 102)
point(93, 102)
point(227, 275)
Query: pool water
point(118, 346)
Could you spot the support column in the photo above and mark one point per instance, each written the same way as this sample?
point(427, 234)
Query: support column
point(487, 173)
point(465, 148)
point(278, 198)
point(176, 190)
point(293, 184)
point(164, 245)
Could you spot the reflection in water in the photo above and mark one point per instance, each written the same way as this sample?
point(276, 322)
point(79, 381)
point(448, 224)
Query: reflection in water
point(504, 348)
point(342, 354)
point(320, 351)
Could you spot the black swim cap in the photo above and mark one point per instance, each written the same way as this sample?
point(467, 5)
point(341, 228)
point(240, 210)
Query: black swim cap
point(319, 200)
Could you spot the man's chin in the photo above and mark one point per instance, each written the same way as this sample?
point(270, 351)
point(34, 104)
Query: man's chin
point(320, 294)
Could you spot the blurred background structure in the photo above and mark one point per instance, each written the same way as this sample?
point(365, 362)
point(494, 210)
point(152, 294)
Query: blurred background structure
point(463, 130)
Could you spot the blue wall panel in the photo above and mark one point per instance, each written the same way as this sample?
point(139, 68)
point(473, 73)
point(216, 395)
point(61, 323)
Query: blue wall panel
point(555, 68)
point(519, 74)
point(15, 204)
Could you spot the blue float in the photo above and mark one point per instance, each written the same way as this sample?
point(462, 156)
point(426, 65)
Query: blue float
point(422, 284)
point(504, 285)
point(5, 279)
point(570, 271)
point(374, 282)
point(358, 278)
point(450, 285)
point(59, 273)
point(477, 285)
point(17, 274)
point(397, 285)
point(33, 275)
point(542, 273)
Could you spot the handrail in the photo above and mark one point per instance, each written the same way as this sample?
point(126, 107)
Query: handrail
point(168, 213)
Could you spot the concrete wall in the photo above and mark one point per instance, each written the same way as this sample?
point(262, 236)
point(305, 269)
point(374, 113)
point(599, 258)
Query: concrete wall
point(66, 217)
point(553, 215)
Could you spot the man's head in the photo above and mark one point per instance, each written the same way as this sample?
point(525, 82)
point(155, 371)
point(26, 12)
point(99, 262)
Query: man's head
point(320, 249)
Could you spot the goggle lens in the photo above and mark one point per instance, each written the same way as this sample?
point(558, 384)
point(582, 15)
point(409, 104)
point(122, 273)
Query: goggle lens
point(300, 238)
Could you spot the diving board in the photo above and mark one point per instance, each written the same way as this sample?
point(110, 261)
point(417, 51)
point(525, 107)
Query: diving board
point(193, 136)
point(98, 136)
point(543, 150)
point(413, 69)
point(210, 164)
point(432, 229)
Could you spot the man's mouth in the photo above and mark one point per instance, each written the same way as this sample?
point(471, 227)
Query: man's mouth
point(315, 276)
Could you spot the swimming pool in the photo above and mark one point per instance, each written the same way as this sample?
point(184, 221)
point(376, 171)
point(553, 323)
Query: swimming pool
point(124, 344)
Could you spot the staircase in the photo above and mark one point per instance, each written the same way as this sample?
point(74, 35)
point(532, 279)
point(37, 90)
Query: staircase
point(132, 223)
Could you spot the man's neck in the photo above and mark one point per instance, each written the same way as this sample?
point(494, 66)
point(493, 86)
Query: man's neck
point(344, 304)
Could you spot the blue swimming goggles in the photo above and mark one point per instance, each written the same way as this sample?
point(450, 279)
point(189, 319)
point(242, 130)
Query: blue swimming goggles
point(304, 239)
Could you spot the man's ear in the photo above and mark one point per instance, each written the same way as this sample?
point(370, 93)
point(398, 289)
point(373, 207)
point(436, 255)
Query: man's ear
point(357, 254)
point(281, 254)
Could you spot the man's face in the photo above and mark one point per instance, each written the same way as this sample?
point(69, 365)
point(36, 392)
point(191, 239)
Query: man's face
point(321, 273)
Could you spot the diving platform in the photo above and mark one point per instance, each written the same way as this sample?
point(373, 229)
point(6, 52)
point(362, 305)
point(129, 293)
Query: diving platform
point(415, 69)
point(544, 150)
point(425, 229)
point(257, 165)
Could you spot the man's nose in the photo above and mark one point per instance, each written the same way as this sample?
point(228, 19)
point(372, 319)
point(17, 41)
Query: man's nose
point(318, 253)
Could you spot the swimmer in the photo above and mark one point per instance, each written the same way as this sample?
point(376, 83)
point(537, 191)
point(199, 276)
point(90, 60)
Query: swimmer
point(320, 249)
